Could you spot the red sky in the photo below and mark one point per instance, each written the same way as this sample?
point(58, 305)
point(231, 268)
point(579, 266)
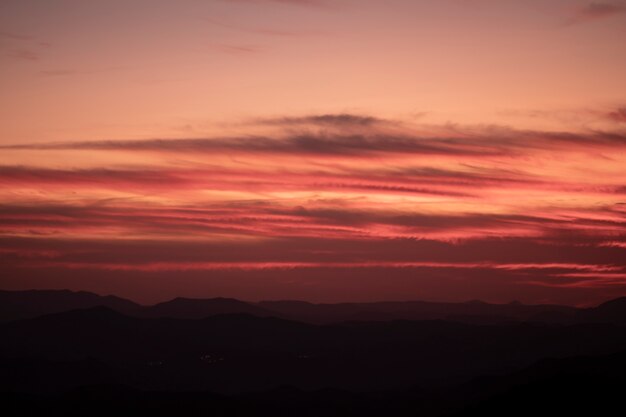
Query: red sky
point(319, 150)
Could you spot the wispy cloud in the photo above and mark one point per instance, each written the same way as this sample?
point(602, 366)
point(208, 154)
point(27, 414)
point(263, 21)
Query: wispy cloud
point(23, 55)
point(66, 72)
point(341, 120)
point(618, 115)
point(23, 47)
point(237, 48)
point(15, 36)
point(294, 2)
point(447, 141)
point(596, 11)
point(58, 72)
point(261, 30)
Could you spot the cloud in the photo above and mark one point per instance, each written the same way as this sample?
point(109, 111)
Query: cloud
point(302, 144)
point(65, 72)
point(296, 268)
point(238, 48)
point(113, 178)
point(262, 30)
point(341, 120)
point(411, 181)
point(246, 266)
point(275, 220)
point(23, 47)
point(376, 140)
point(23, 55)
point(294, 2)
point(332, 201)
point(583, 118)
point(58, 72)
point(596, 11)
point(15, 36)
point(618, 115)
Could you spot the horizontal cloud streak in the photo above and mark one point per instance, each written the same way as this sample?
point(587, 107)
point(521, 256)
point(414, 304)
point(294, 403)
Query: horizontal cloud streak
point(295, 2)
point(341, 120)
point(245, 266)
point(483, 142)
point(299, 145)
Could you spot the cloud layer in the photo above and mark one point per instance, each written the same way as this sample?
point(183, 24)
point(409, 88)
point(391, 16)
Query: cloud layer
point(336, 206)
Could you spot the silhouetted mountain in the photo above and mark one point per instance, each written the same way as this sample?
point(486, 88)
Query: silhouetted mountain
point(471, 312)
point(571, 386)
point(148, 362)
point(190, 308)
point(235, 353)
point(613, 311)
point(16, 305)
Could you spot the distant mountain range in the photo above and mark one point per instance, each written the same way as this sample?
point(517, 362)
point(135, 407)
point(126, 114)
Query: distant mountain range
point(76, 353)
point(15, 305)
point(241, 352)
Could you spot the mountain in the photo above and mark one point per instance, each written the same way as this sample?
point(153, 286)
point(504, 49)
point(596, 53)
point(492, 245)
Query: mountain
point(15, 305)
point(470, 312)
point(242, 364)
point(613, 311)
point(573, 386)
point(240, 352)
point(580, 385)
point(190, 308)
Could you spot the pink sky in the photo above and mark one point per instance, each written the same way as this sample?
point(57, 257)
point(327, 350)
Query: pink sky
point(318, 150)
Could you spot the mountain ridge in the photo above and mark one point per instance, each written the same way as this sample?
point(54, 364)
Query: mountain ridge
point(17, 305)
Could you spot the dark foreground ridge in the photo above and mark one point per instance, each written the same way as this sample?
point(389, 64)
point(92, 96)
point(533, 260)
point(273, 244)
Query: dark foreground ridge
point(225, 357)
point(574, 386)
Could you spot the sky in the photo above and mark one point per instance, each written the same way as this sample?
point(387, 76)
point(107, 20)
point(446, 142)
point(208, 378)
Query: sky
point(317, 150)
